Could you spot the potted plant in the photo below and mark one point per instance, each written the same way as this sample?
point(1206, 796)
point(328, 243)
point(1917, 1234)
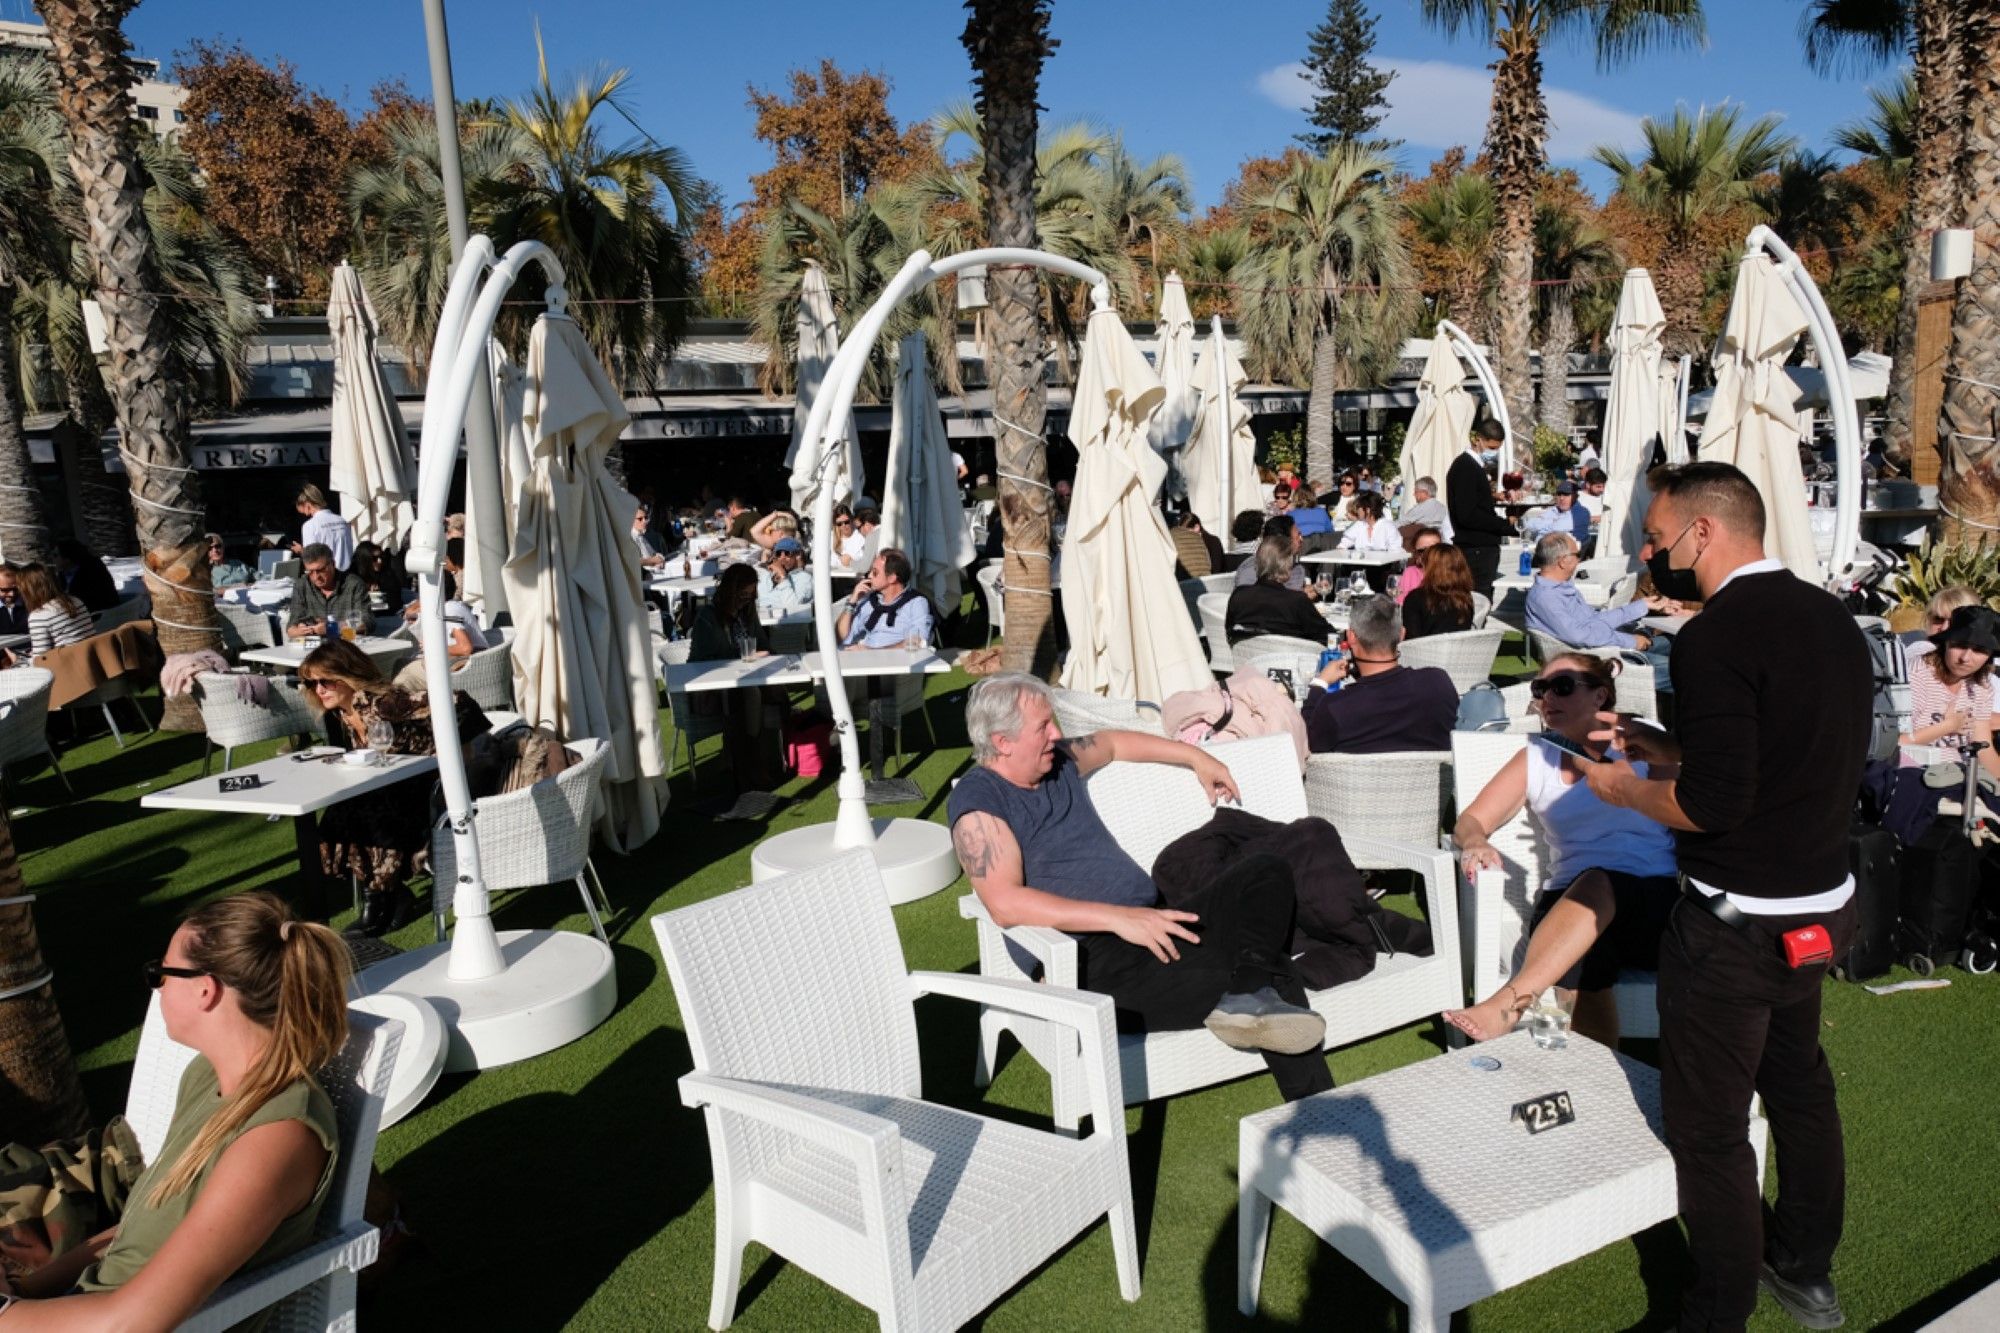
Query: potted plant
point(1933, 567)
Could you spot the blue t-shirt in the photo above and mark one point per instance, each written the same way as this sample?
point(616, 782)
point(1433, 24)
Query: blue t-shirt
point(1311, 521)
point(1065, 848)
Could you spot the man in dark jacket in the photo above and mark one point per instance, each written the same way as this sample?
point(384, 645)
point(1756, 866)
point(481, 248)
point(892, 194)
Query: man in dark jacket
point(1478, 527)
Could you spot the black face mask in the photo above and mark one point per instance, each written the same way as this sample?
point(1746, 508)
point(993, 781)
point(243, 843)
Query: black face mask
point(1678, 585)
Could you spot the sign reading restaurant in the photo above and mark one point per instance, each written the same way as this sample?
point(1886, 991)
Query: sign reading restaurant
point(235, 457)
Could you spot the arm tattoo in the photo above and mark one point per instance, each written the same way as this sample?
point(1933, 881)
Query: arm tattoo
point(974, 846)
point(1082, 747)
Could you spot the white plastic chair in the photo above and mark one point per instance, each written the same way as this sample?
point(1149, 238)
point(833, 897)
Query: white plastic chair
point(689, 726)
point(1395, 797)
point(24, 719)
point(799, 1011)
point(315, 1287)
point(1079, 714)
point(1214, 609)
point(988, 579)
point(1467, 656)
point(232, 722)
point(1496, 907)
point(531, 837)
point(1147, 806)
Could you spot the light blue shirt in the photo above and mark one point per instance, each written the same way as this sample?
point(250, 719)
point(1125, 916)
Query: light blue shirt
point(872, 626)
point(1556, 608)
point(790, 593)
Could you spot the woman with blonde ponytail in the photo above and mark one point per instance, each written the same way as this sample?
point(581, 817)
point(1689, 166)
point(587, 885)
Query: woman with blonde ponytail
point(261, 996)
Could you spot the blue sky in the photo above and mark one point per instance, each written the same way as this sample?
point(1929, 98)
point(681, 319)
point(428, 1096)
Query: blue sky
point(1206, 80)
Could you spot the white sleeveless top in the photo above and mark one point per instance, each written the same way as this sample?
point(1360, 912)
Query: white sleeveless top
point(1584, 833)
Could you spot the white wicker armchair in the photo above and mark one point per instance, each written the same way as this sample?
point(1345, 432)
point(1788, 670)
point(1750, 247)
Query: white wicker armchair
point(531, 837)
point(1394, 797)
point(988, 579)
point(313, 1289)
point(1637, 688)
point(1214, 610)
point(689, 726)
point(1147, 806)
point(1079, 714)
point(1467, 656)
point(488, 676)
point(245, 627)
point(24, 719)
point(1297, 668)
point(232, 722)
point(1495, 908)
point(799, 1011)
point(1482, 607)
point(1262, 645)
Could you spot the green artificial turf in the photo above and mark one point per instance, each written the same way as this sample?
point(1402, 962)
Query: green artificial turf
point(573, 1189)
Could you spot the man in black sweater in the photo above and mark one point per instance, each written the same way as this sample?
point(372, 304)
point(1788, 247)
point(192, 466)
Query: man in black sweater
point(1477, 527)
point(1774, 690)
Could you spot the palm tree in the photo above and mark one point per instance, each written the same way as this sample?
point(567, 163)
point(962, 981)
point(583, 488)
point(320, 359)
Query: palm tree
point(1328, 296)
point(1008, 40)
point(1887, 137)
point(1814, 205)
point(1697, 178)
point(1517, 128)
point(1212, 262)
point(94, 76)
point(1969, 489)
point(41, 1098)
point(1452, 219)
point(1572, 254)
point(1146, 204)
point(1841, 35)
point(31, 241)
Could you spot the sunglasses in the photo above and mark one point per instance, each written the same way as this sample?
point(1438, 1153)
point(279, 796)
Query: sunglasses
point(156, 973)
point(1562, 687)
point(843, 522)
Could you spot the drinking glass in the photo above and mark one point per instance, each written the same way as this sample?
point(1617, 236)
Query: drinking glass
point(746, 646)
point(1325, 584)
point(381, 736)
point(913, 642)
point(1548, 1018)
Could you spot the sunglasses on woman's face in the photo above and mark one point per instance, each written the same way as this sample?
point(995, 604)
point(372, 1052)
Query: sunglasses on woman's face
point(1562, 687)
point(156, 973)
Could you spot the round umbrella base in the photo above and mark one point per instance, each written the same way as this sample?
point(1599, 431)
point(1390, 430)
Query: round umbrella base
point(558, 985)
point(914, 855)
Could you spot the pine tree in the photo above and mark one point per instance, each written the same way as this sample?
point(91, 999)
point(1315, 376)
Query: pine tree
point(1347, 91)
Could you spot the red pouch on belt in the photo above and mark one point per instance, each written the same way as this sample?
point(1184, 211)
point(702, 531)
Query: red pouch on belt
point(1807, 945)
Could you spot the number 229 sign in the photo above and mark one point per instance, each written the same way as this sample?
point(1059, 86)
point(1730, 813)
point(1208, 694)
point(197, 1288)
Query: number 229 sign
point(1545, 1112)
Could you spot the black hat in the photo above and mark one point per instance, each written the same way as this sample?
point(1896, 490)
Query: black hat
point(1970, 627)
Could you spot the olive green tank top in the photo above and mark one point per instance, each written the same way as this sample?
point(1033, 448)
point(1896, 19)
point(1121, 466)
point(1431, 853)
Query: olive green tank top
point(145, 1226)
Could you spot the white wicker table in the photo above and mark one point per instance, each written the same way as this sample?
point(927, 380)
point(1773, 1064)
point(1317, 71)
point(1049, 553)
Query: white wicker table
point(1423, 1181)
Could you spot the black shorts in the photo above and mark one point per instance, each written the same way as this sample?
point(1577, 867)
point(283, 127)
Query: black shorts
point(1641, 904)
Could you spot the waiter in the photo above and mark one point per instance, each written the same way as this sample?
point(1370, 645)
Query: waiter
point(1476, 525)
point(1774, 691)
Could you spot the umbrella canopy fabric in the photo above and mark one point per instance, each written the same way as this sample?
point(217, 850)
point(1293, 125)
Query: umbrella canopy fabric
point(374, 469)
point(1867, 374)
point(1753, 421)
point(920, 510)
point(582, 655)
point(479, 576)
point(1443, 420)
point(1221, 377)
point(819, 340)
point(1130, 635)
point(1632, 416)
point(1175, 364)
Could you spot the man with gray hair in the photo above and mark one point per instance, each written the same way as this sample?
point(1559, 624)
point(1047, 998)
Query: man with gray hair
point(323, 591)
point(1425, 509)
point(1369, 702)
point(1557, 609)
point(1038, 854)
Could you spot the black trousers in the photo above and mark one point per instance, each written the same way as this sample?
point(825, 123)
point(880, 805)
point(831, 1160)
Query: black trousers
point(1736, 1019)
point(1245, 928)
point(1485, 563)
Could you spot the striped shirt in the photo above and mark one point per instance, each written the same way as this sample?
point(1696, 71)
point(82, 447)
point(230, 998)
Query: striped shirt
point(57, 624)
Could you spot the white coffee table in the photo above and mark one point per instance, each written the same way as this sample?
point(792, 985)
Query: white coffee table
point(1422, 1180)
point(1355, 559)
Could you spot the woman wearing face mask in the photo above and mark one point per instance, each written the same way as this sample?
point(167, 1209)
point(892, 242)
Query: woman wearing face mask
point(1611, 874)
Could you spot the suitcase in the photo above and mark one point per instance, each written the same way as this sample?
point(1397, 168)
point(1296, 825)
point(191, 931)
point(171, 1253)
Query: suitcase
point(1940, 874)
point(1872, 855)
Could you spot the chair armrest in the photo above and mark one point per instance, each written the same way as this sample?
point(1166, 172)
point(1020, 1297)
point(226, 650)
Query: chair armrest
point(1055, 951)
point(1440, 874)
point(353, 1247)
point(1091, 1016)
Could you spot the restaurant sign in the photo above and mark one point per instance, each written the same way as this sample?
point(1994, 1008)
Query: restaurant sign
point(711, 426)
point(241, 457)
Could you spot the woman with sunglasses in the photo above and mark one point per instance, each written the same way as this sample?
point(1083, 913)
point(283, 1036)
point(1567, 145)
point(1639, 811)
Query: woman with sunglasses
point(850, 544)
point(375, 837)
point(1611, 870)
point(248, 1158)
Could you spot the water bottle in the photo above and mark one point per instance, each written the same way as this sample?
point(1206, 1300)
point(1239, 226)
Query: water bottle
point(1326, 656)
point(1526, 557)
point(332, 628)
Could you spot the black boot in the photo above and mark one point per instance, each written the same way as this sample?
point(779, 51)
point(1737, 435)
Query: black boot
point(391, 909)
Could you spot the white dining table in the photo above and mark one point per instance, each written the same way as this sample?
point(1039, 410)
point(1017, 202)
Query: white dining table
point(388, 654)
point(1355, 559)
point(264, 595)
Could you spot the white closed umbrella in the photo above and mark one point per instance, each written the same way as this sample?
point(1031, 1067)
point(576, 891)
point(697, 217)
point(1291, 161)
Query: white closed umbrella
point(1443, 419)
point(1174, 361)
point(1129, 632)
point(1753, 418)
point(582, 654)
point(920, 511)
point(819, 340)
point(479, 581)
point(374, 470)
point(1220, 461)
point(1633, 415)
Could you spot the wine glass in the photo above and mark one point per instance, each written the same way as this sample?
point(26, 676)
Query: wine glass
point(1325, 585)
point(381, 736)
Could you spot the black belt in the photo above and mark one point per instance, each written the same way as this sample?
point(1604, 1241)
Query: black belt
point(1716, 905)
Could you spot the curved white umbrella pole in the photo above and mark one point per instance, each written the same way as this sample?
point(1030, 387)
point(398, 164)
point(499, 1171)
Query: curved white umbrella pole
point(1825, 335)
point(1496, 401)
point(852, 826)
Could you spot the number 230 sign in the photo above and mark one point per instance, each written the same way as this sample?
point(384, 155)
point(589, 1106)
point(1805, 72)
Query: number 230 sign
point(1545, 1112)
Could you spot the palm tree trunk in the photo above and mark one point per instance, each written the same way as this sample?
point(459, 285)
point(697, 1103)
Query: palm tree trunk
point(24, 518)
point(1558, 336)
point(1932, 203)
point(40, 1097)
point(94, 76)
point(1319, 410)
point(1678, 280)
point(1007, 41)
point(1515, 133)
point(1969, 489)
